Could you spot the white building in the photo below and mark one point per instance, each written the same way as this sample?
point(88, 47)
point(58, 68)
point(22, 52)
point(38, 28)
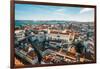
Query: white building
point(62, 35)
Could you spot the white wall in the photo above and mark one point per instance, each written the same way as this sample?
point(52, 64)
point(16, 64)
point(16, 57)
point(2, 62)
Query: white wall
point(5, 34)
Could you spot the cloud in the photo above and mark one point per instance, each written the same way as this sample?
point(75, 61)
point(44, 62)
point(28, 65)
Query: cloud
point(59, 11)
point(85, 10)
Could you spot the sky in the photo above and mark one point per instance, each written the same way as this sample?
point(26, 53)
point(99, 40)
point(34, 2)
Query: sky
point(46, 12)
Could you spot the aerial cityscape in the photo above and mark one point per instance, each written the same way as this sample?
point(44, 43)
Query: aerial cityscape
point(65, 36)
